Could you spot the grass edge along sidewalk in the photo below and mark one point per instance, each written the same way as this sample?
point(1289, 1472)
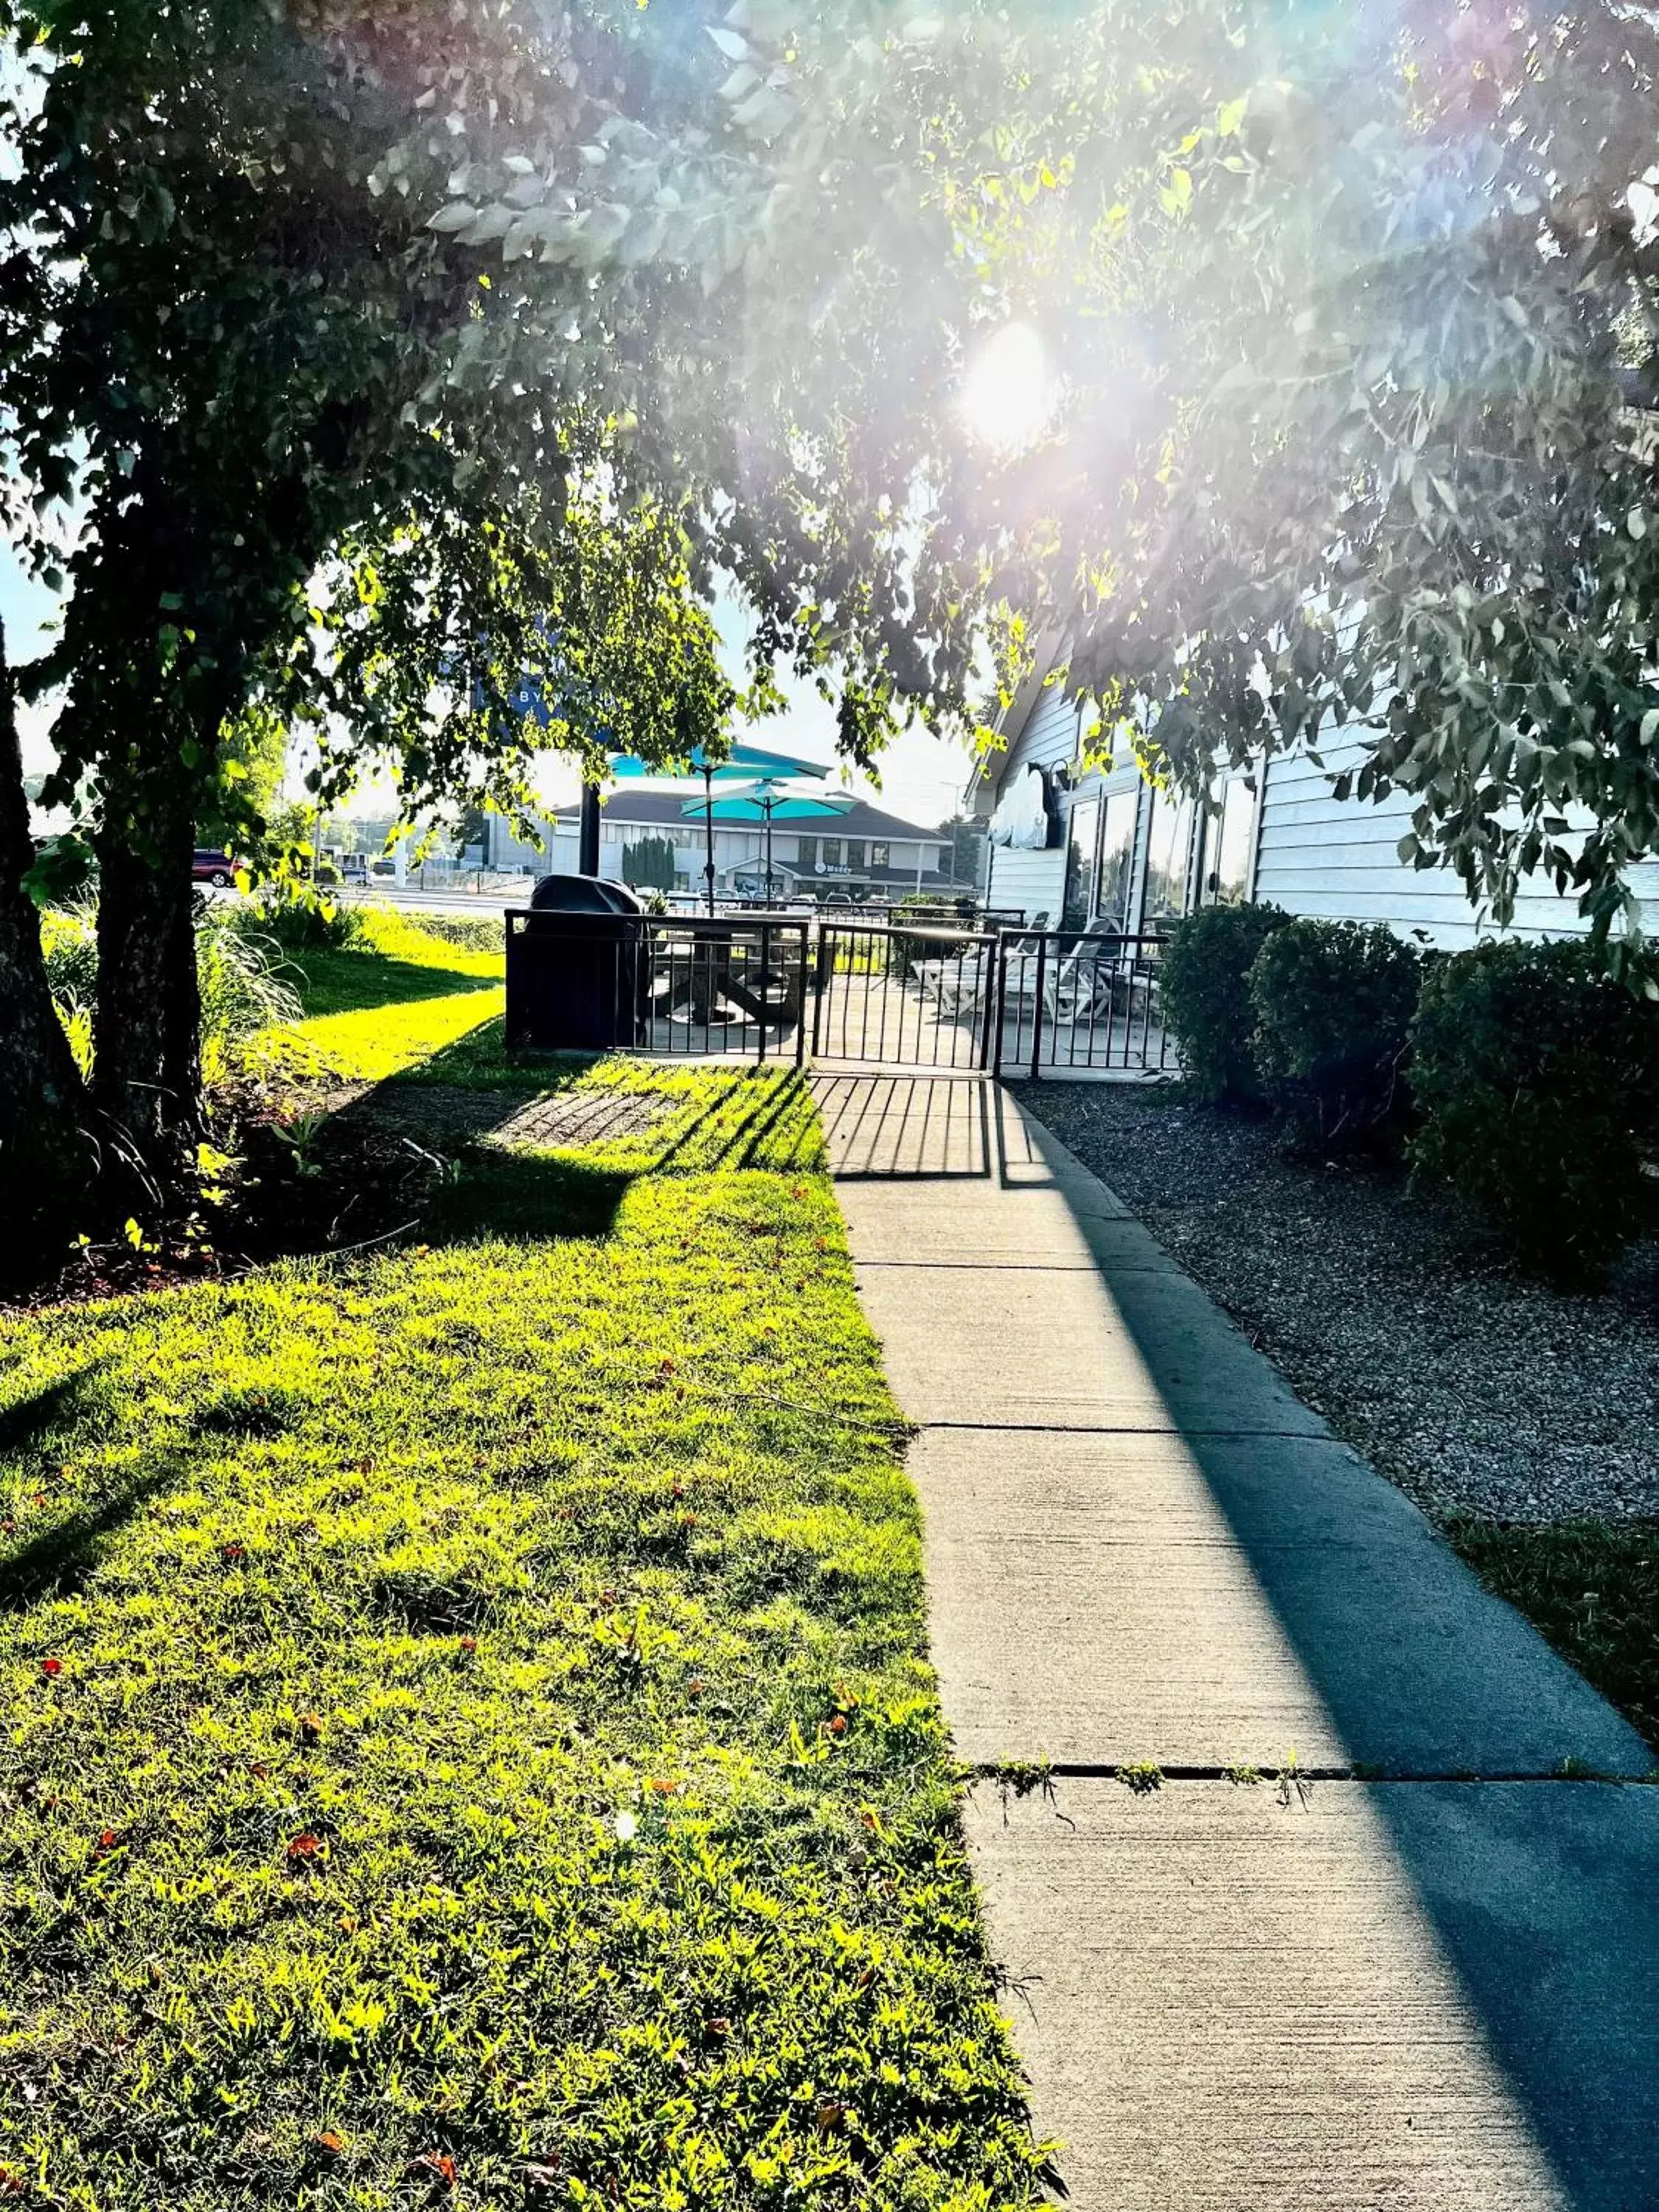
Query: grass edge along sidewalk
point(466, 1734)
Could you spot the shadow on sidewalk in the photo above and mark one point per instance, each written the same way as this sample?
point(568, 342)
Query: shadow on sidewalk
point(1111, 1471)
point(908, 1128)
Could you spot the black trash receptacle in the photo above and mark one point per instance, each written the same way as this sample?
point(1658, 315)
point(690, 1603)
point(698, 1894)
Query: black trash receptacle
point(578, 968)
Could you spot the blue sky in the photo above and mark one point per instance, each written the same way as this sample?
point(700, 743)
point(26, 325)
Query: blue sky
point(26, 608)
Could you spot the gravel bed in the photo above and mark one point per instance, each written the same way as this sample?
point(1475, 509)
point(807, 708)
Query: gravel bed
point(1480, 1392)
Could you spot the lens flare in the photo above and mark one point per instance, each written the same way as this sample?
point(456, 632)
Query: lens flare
point(1008, 393)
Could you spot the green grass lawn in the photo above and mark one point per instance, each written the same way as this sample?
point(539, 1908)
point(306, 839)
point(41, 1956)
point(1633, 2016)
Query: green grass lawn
point(1592, 1588)
point(466, 1732)
point(384, 1003)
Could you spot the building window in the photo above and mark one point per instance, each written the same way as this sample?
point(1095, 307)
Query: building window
point(1100, 860)
point(1169, 847)
point(829, 848)
point(881, 856)
point(1229, 840)
point(1117, 859)
point(807, 852)
point(1082, 863)
point(856, 851)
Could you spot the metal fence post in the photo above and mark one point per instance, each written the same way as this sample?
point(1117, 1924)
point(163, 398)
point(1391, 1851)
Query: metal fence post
point(765, 973)
point(818, 990)
point(989, 1001)
point(1036, 1008)
point(800, 1011)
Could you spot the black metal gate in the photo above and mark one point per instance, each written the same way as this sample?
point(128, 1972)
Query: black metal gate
point(1080, 1003)
point(915, 996)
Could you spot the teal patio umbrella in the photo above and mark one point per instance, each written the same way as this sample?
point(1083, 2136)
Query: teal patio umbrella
point(767, 801)
point(740, 760)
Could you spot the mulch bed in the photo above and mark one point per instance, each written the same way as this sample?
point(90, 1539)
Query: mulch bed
point(364, 1176)
point(1479, 1391)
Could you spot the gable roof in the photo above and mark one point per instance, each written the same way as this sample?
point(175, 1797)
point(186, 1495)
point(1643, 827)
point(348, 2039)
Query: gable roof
point(663, 807)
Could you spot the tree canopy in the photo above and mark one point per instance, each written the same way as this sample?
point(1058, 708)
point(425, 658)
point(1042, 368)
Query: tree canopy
point(356, 360)
point(1353, 318)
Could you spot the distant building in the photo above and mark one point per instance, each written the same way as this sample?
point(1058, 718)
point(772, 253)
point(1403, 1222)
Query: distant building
point(861, 854)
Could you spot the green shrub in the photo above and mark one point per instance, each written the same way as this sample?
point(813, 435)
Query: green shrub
point(1204, 990)
point(471, 932)
point(1333, 1004)
point(69, 946)
point(1537, 1079)
point(298, 923)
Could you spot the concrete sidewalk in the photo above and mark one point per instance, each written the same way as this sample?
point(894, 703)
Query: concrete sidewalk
point(1421, 1970)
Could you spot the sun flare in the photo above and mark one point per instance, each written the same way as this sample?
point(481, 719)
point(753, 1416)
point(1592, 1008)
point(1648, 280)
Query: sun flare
point(1008, 393)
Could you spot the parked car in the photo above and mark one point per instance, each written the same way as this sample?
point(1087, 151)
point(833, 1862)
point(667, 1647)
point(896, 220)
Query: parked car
point(383, 867)
point(208, 866)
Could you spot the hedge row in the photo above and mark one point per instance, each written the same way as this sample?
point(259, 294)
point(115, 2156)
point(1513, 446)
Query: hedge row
point(1522, 1076)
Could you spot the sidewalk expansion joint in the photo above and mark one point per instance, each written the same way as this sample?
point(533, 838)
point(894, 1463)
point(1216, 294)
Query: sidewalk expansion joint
point(1148, 1774)
point(1127, 1429)
point(1023, 1266)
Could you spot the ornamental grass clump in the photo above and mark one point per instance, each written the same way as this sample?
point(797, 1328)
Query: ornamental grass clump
point(1536, 1073)
point(1204, 986)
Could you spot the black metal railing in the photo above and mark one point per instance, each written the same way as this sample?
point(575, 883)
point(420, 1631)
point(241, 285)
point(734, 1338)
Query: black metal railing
point(1070, 1002)
point(908, 995)
point(668, 985)
point(920, 997)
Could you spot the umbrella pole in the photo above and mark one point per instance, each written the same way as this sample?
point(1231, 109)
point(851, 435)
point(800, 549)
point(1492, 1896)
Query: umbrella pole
point(708, 826)
point(769, 851)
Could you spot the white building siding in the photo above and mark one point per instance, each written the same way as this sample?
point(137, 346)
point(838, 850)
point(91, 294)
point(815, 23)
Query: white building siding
point(1030, 884)
point(1049, 738)
point(1026, 883)
point(1337, 859)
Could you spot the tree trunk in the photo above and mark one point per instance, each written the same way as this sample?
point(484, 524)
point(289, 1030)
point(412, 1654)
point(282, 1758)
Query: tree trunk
point(45, 1157)
point(147, 1063)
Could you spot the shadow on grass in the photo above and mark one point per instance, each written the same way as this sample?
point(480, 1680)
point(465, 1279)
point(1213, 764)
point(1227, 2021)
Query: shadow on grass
point(58, 1561)
point(352, 982)
point(534, 1195)
point(527, 1199)
point(482, 1060)
point(34, 1419)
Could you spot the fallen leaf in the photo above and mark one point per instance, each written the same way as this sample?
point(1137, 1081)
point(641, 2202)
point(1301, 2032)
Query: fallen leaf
point(50, 1667)
point(437, 2163)
point(303, 1847)
point(330, 2142)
